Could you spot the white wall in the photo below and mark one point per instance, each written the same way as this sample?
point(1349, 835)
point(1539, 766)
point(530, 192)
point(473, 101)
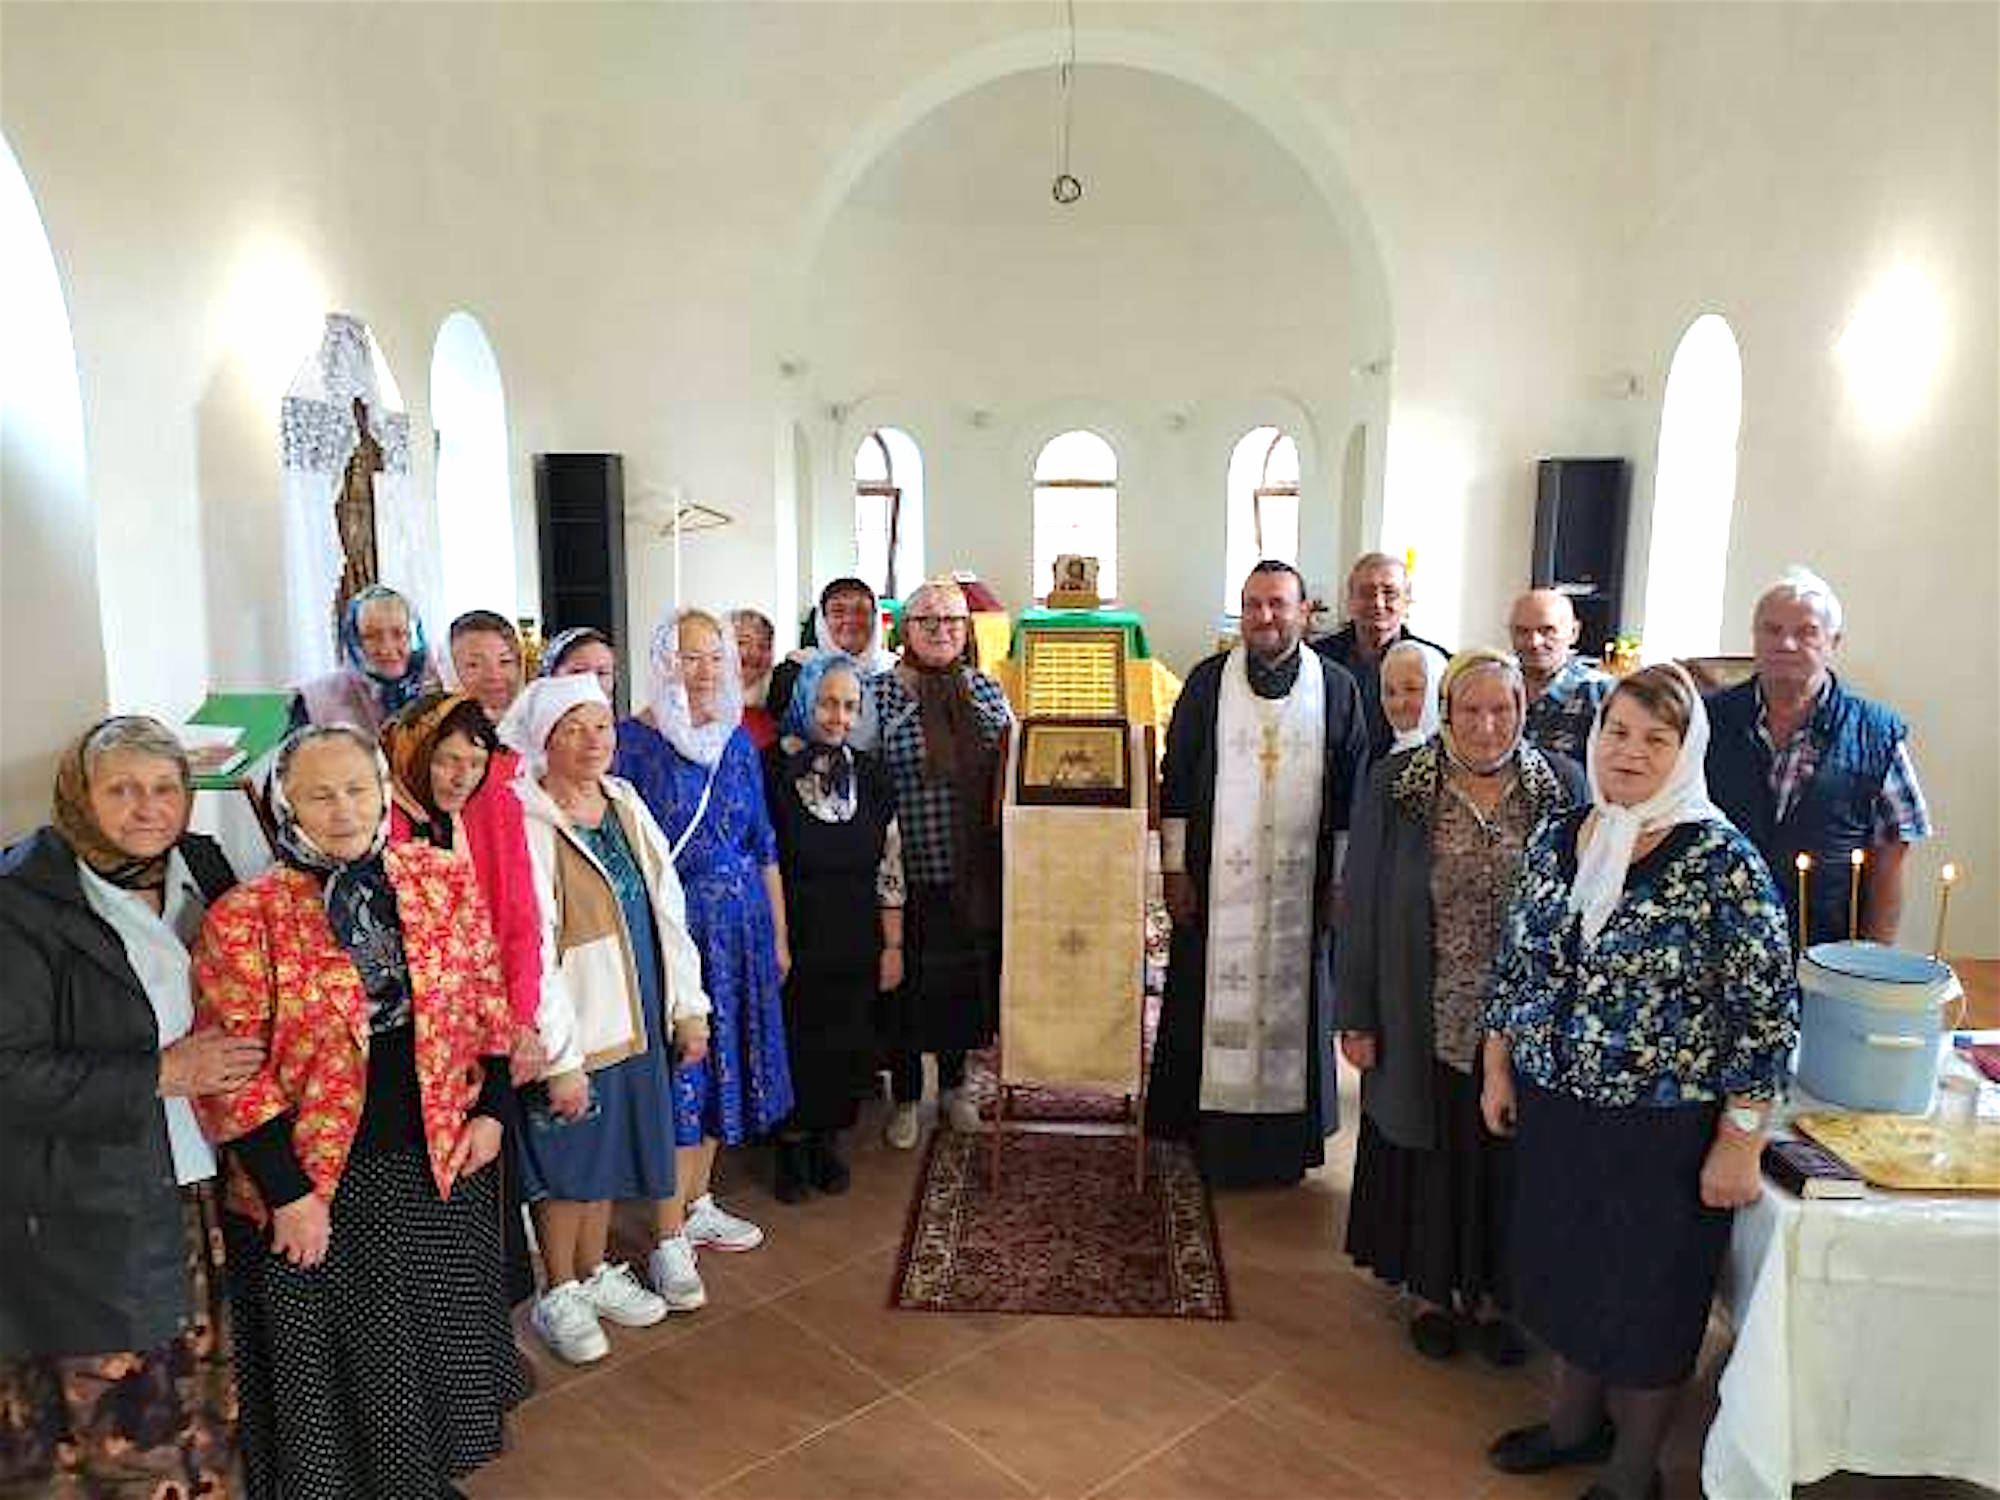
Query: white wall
point(643, 204)
point(1800, 154)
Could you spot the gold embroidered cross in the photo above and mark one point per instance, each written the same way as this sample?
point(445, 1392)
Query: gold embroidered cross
point(1268, 756)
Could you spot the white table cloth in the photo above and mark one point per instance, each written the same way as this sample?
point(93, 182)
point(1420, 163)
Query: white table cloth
point(1867, 1340)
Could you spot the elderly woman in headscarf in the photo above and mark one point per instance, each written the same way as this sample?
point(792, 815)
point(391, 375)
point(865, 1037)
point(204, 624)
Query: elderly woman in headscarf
point(1437, 842)
point(621, 991)
point(385, 663)
point(1641, 1023)
point(442, 752)
point(698, 773)
point(583, 650)
point(941, 723)
point(1411, 672)
point(373, 1349)
point(114, 1378)
point(756, 637)
point(847, 622)
point(840, 854)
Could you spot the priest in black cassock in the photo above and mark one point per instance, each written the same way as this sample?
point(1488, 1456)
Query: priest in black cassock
point(1267, 746)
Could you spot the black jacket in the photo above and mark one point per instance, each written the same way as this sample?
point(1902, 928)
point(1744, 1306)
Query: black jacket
point(90, 1217)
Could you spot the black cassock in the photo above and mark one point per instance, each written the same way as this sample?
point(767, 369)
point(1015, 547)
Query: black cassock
point(1240, 1150)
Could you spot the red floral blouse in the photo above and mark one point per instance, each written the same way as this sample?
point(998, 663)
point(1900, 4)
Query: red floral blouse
point(268, 965)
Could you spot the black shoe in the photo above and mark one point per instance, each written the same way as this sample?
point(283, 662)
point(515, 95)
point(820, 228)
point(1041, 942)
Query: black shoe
point(1534, 1450)
point(794, 1174)
point(1501, 1342)
point(829, 1173)
point(1435, 1333)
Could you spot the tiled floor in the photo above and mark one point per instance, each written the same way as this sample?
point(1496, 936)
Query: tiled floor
point(798, 1382)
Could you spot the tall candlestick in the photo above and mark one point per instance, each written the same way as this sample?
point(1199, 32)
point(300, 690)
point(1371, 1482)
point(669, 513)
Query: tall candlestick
point(1855, 861)
point(1946, 877)
point(1804, 863)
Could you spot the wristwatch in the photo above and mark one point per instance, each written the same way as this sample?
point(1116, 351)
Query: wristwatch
point(1744, 1118)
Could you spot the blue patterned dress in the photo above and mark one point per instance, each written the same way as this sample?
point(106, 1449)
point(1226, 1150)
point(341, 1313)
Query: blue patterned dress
point(744, 1087)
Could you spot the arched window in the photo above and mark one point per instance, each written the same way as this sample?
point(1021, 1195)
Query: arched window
point(1076, 508)
point(889, 512)
point(475, 507)
point(1263, 500)
point(1694, 491)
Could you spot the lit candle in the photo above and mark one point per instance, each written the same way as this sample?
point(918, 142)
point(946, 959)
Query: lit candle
point(1855, 861)
point(1945, 878)
point(1804, 863)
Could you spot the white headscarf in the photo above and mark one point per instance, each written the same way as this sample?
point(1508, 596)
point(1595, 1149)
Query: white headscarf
point(1427, 717)
point(872, 659)
point(526, 726)
point(1682, 798)
point(700, 743)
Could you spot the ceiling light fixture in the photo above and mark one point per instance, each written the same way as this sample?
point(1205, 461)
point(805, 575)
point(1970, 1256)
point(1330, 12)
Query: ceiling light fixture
point(1067, 187)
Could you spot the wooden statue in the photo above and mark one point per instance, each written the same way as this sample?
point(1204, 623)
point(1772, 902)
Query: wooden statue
point(354, 514)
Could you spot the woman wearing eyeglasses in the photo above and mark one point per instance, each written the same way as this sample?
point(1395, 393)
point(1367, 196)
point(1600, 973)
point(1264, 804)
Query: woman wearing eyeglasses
point(941, 722)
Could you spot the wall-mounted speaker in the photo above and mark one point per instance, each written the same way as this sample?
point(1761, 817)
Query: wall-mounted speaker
point(580, 515)
point(1580, 519)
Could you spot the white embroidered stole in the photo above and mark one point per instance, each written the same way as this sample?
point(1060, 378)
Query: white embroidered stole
point(1269, 768)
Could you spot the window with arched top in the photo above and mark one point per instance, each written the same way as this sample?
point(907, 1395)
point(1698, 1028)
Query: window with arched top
point(1263, 507)
point(889, 512)
point(474, 499)
point(1076, 508)
point(1694, 493)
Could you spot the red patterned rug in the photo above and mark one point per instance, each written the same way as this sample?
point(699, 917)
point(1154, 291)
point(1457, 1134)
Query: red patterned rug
point(1065, 1233)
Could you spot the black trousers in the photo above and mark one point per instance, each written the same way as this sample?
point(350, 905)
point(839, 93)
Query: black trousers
point(906, 1074)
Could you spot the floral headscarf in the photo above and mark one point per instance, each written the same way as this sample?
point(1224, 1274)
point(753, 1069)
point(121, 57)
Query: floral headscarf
point(391, 692)
point(411, 739)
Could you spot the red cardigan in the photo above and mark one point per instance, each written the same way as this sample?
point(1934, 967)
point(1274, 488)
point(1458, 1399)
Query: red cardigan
point(495, 835)
point(268, 966)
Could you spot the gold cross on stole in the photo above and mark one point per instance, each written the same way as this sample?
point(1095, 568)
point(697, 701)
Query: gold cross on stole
point(1268, 756)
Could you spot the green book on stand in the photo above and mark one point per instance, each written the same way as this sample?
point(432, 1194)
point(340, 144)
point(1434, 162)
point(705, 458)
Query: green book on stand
point(262, 718)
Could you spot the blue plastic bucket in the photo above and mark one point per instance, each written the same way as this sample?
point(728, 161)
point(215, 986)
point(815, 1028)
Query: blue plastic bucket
point(1871, 1025)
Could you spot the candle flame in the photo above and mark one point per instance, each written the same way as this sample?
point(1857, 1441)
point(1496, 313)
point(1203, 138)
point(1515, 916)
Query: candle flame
point(1948, 874)
point(1804, 862)
point(1856, 857)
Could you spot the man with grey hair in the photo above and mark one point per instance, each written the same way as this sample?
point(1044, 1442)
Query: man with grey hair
point(1378, 599)
point(1564, 691)
point(1803, 766)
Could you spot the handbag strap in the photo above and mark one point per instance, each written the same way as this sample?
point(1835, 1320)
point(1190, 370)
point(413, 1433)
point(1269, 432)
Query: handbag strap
point(700, 808)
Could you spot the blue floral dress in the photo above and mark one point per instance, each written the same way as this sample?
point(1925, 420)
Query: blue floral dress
point(744, 1086)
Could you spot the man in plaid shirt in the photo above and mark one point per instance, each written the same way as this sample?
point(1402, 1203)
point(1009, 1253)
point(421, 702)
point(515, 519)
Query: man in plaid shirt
point(1803, 766)
point(1564, 691)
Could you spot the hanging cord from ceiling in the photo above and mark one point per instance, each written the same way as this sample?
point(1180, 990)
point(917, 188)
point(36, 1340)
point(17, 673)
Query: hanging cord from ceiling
point(1067, 188)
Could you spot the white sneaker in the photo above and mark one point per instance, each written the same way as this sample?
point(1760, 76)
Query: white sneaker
point(710, 1227)
point(900, 1130)
point(565, 1321)
point(956, 1106)
point(615, 1293)
point(671, 1270)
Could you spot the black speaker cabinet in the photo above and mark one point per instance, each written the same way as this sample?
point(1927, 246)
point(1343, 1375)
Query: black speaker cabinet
point(1580, 513)
point(580, 517)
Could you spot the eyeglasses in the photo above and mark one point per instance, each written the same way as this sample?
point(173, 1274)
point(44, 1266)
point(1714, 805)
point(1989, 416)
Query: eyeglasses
point(940, 622)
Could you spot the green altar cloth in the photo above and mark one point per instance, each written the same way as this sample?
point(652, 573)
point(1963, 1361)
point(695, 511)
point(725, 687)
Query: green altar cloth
point(1038, 617)
point(263, 718)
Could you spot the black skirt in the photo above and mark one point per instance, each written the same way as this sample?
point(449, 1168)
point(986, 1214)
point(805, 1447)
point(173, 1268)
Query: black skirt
point(388, 1369)
point(949, 999)
point(1437, 1221)
point(1615, 1258)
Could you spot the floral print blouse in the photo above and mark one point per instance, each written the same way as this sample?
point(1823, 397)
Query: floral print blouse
point(1687, 995)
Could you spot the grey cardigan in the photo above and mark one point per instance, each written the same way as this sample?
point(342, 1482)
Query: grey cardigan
point(1385, 952)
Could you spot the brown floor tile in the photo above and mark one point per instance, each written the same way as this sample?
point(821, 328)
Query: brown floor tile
point(733, 1394)
point(1237, 1456)
point(888, 1452)
point(1064, 1404)
point(566, 1445)
point(850, 1309)
point(552, 1375)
